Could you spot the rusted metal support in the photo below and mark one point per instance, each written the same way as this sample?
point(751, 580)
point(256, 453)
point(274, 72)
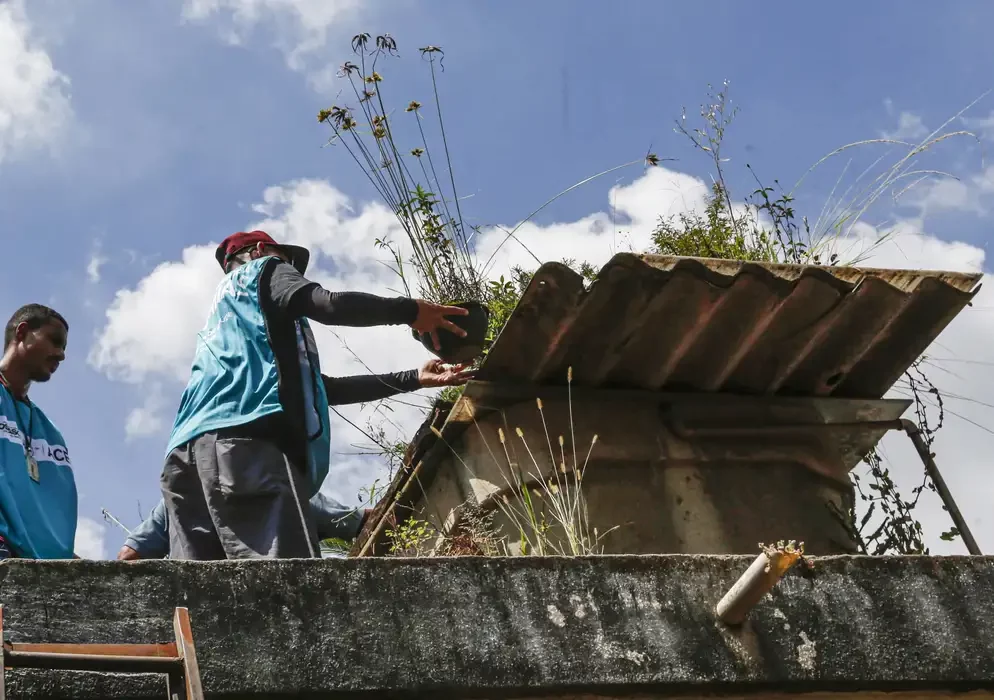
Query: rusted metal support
point(761, 576)
point(940, 485)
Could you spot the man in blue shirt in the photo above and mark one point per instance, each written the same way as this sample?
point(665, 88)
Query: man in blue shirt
point(37, 488)
point(250, 444)
point(150, 540)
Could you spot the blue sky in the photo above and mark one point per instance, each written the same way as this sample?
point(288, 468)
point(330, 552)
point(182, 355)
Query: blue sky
point(132, 132)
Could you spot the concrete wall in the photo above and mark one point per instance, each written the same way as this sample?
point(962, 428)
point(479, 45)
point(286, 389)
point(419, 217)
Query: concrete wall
point(517, 627)
point(649, 483)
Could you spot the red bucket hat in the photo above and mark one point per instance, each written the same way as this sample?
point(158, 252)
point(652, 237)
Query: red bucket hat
point(238, 242)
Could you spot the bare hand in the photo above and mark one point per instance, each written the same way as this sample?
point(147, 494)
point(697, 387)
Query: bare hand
point(127, 554)
point(435, 373)
point(432, 317)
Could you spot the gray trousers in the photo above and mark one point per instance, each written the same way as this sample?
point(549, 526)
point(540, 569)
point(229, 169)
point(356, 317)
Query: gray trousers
point(232, 498)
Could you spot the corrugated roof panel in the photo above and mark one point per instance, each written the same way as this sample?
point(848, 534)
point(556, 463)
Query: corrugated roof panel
point(698, 325)
point(695, 324)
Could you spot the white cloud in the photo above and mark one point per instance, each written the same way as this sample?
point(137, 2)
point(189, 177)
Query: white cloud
point(982, 126)
point(904, 246)
point(90, 539)
point(300, 28)
point(93, 267)
point(150, 330)
point(594, 238)
point(95, 263)
point(909, 128)
point(969, 194)
point(941, 193)
point(34, 100)
point(149, 418)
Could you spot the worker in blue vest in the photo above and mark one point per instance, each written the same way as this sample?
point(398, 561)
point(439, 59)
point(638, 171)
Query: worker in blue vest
point(150, 540)
point(250, 444)
point(37, 487)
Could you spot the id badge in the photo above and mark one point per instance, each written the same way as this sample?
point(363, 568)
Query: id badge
point(33, 468)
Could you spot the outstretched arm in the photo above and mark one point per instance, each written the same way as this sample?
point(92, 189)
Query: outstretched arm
point(369, 387)
point(351, 308)
point(288, 293)
point(150, 540)
point(332, 519)
point(373, 387)
point(299, 297)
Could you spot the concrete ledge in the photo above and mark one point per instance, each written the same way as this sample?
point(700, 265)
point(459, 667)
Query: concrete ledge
point(521, 627)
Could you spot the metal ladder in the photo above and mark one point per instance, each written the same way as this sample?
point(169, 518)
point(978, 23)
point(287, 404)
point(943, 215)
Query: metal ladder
point(177, 660)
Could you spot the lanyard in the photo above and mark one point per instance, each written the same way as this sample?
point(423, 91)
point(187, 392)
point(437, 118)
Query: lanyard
point(17, 416)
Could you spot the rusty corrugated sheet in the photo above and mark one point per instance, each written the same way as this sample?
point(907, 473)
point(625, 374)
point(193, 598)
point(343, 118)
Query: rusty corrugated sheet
point(676, 324)
point(693, 324)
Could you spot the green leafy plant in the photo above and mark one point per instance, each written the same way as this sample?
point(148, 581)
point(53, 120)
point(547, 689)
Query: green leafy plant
point(715, 233)
point(411, 537)
point(474, 535)
point(335, 547)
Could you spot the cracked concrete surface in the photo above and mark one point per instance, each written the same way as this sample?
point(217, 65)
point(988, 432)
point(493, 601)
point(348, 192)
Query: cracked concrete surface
point(519, 627)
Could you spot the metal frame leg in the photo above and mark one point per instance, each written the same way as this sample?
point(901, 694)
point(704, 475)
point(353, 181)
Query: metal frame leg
point(940, 485)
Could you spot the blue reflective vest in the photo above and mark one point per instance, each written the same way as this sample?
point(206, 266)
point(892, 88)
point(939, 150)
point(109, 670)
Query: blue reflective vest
point(235, 380)
point(37, 518)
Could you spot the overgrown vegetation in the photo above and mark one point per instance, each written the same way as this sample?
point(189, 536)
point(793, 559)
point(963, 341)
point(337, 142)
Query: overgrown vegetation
point(541, 500)
point(438, 259)
point(895, 530)
point(439, 263)
point(438, 253)
point(711, 233)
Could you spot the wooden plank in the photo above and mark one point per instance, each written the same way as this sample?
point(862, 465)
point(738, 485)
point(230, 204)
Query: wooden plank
point(184, 644)
point(85, 662)
point(153, 650)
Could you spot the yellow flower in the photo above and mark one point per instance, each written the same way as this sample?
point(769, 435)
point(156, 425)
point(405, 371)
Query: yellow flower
point(413, 107)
